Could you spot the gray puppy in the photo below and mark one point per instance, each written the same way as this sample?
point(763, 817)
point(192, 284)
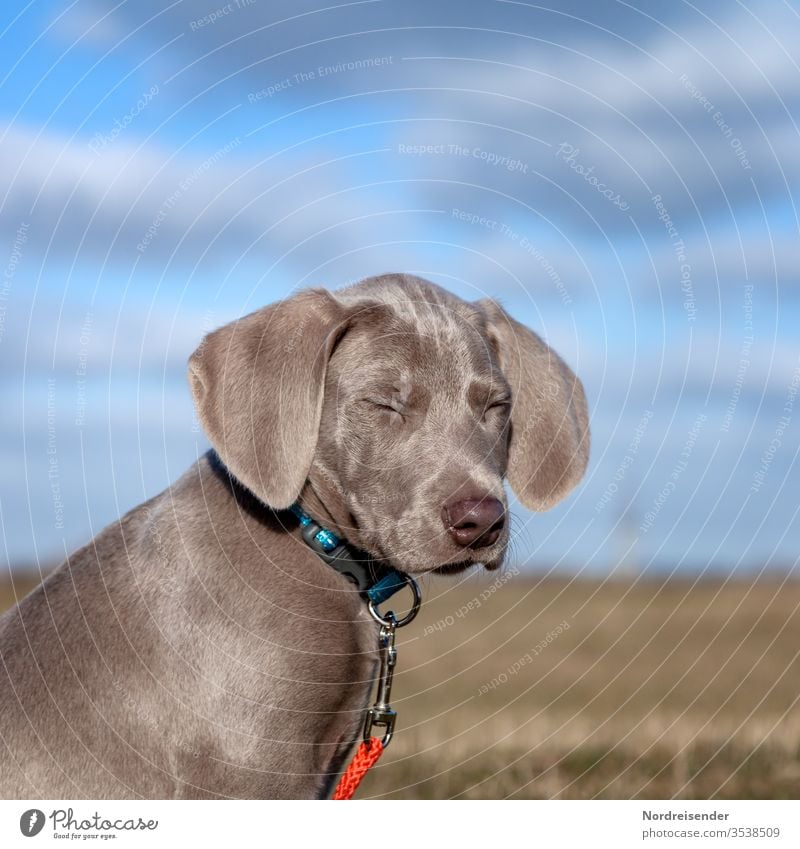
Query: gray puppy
point(198, 648)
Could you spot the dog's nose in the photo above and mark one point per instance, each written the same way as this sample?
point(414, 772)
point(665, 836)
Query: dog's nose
point(474, 522)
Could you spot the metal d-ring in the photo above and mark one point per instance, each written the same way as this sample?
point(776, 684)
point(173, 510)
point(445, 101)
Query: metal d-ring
point(389, 619)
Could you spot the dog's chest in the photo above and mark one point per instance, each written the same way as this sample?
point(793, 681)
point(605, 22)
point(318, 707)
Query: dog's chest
point(292, 719)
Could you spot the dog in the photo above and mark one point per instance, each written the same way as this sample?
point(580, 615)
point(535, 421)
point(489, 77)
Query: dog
point(198, 648)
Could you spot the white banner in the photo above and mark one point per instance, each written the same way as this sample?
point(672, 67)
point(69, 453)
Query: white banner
point(488, 825)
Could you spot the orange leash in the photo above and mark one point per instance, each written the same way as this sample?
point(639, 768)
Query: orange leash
point(365, 757)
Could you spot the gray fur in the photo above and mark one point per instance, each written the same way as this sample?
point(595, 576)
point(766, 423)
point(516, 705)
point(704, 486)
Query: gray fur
point(197, 648)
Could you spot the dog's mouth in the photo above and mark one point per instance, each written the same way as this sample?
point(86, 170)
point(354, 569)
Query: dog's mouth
point(490, 563)
point(453, 560)
point(454, 568)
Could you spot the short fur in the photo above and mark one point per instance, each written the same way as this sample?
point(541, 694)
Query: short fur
point(197, 648)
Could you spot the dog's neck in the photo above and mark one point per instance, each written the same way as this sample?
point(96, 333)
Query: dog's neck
point(321, 500)
point(324, 507)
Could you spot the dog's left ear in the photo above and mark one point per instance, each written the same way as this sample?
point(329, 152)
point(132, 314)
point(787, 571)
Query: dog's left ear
point(549, 445)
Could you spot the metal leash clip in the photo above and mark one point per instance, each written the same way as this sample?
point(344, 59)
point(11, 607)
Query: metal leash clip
point(381, 714)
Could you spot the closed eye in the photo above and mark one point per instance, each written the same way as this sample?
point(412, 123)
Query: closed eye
point(501, 405)
point(388, 406)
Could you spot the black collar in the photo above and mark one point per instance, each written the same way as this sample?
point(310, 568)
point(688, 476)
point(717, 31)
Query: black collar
point(375, 582)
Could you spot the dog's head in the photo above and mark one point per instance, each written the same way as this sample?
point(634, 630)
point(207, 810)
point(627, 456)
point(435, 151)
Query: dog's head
point(393, 411)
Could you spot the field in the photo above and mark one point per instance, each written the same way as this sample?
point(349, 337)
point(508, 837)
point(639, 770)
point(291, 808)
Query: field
point(508, 687)
point(640, 691)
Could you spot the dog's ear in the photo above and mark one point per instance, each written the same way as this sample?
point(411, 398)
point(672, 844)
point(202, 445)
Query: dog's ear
point(549, 440)
point(258, 384)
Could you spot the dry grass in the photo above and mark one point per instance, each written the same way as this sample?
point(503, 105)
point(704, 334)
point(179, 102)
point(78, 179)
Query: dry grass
point(652, 691)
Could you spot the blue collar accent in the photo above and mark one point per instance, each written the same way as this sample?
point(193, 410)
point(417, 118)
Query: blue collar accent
point(377, 583)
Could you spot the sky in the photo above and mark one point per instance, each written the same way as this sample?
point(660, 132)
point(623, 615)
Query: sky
point(622, 177)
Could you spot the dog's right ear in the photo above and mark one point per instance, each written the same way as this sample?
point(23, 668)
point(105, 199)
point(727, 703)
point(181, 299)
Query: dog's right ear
point(258, 385)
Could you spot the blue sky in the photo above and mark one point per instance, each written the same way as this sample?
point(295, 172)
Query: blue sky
point(623, 179)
